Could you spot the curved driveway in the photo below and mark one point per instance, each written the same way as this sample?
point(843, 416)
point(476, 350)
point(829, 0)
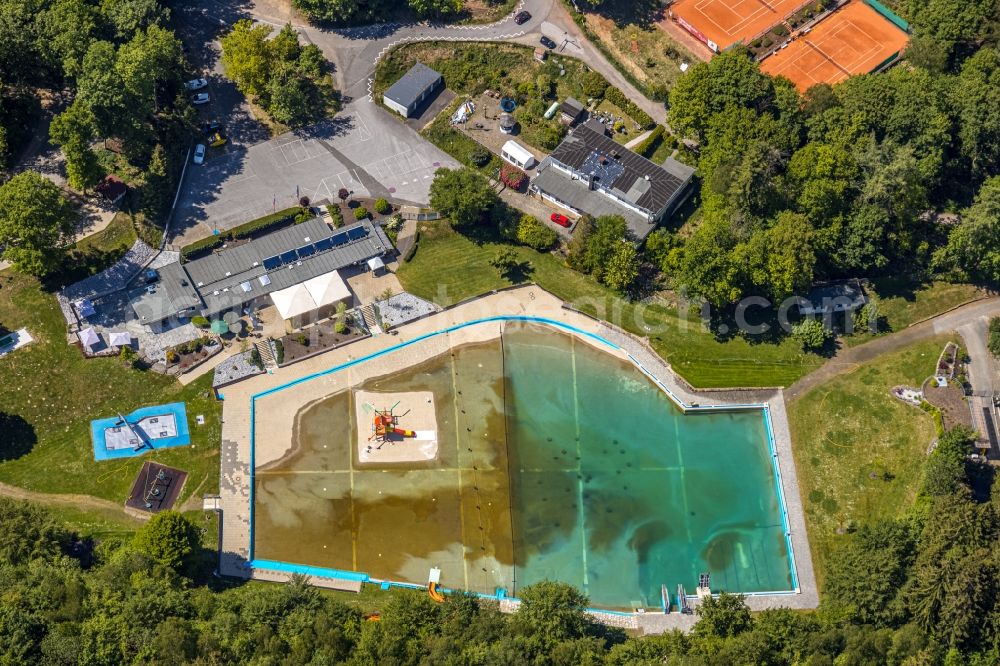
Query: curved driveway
point(356, 50)
point(962, 319)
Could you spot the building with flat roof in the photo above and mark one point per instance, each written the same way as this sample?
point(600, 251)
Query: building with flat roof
point(412, 89)
point(588, 173)
point(825, 299)
point(245, 275)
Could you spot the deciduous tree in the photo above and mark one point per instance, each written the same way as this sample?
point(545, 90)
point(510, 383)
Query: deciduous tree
point(169, 538)
point(462, 194)
point(36, 220)
point(73, 130)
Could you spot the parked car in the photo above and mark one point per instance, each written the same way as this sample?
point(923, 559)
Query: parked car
point(211, 127)
point(561, 220)
point(547, 43)
point(196, 84)
point(199, 153)
point(522, 17)
point(199, 98)
point(217, 140)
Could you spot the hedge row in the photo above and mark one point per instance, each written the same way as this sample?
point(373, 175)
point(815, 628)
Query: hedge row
point(618, 98)
point(297, 213)
point(647, 145)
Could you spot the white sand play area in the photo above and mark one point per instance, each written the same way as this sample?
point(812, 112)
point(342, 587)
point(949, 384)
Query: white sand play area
point(413, 411)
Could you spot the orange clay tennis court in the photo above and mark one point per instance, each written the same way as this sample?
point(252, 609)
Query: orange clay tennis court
point(855, 39)
point(722, 23)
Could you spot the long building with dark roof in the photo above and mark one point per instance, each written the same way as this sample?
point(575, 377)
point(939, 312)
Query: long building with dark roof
point(238, 276)
point(589, 173)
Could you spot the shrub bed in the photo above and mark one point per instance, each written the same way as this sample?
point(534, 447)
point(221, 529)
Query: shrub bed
point(647, 146)
point(512, 177)
point(618, 98)
point(336, 215)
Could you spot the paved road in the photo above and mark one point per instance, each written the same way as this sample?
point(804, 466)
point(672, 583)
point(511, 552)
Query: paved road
point(356, 50)
point(983, 374)
point(849, 358)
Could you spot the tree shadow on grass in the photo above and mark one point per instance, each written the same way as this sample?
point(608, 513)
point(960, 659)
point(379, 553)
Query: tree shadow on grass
point(79, 264)
point(19, 437)
point(520, 272)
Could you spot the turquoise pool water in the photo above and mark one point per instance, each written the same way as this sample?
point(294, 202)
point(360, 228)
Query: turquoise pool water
point(618, 492)
point(556, 461)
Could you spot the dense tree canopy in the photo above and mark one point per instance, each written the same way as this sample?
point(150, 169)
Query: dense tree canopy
point(36, 220)
point(462, 194)
point(277, 72)
point(844, 180)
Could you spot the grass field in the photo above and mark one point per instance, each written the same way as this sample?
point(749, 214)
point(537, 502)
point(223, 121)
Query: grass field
point(56, 391)
point(449, 267)
point(627, 34)
point(859, 451)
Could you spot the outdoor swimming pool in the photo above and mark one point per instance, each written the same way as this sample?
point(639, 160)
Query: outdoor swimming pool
point(555, 460)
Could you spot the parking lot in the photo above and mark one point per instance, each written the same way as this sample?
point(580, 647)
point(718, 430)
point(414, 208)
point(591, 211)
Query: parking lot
point(363, 149)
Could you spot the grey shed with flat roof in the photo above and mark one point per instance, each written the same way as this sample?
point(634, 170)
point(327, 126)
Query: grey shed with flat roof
point(405, 95)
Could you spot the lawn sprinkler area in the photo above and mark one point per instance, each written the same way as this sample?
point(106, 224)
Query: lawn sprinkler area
point(508, 451)
point(145, 429)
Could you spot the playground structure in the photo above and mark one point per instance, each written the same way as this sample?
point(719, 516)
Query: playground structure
point(385, 425)
point(434, 591)
point(394, 434)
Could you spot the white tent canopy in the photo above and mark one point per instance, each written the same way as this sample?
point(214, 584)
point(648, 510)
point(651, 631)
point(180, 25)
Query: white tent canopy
point(310, 295)
point(85, 308)
point(120, 339)
point(89, 337)
point(375, 264)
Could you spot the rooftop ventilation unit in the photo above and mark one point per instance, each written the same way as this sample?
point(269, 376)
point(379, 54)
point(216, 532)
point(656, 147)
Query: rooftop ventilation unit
point(255, 264)
point(228, 273)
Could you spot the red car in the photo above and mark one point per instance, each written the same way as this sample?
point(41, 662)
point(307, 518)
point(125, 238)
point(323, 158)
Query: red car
point(561, 220)
point(522, 17)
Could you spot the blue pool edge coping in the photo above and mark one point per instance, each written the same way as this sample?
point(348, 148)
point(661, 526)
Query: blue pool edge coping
point(182, 438)
point(323, 572)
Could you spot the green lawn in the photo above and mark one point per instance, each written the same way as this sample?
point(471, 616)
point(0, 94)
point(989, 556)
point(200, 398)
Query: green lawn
point(859, 451)
point(449, 267)
point(57, 392)
point(902, 305)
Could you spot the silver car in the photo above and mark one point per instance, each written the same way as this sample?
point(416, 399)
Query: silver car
point(196, 84)
point(199, 153)
point(199, 98)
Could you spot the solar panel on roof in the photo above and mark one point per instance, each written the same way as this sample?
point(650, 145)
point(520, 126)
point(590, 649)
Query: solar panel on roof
point(356, 233)
point(288, 257)
point(272, 262)
point(306, 251)
point(323, 245)
point(339, 239)
point(605, 168)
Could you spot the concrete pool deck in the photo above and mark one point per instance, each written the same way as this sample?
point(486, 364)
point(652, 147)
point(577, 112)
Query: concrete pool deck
point(278, 409)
